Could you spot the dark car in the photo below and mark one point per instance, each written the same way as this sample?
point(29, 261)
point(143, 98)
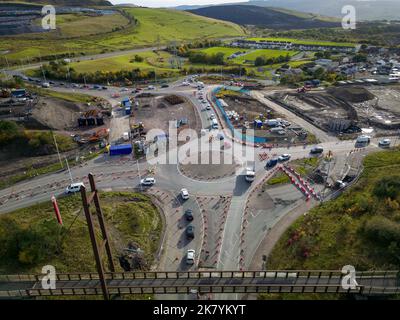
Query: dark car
point(317, 150)
point(271, 163)
point(189, 215)
point(190, 232)
point(165, 86)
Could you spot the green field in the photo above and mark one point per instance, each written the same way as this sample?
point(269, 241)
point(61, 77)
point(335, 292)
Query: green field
point(262, 53)
point(32, 238)
point(311, 42)
point(152, 61)
point(154, 26)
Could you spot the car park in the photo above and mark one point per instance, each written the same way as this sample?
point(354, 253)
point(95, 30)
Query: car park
point(148, 181)
point(189, 215)
point(74, 188)
point(190, 232)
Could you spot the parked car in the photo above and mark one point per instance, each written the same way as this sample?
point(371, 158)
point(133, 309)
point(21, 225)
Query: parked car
point(385, 143)
point(208, 107)
point(284, 157)
point(190, 232)
point(189, 215)
point(151, 88)
point(148, 182)
point(74, 187)
point(190, 256)
point(165, 85)
point(184, 194)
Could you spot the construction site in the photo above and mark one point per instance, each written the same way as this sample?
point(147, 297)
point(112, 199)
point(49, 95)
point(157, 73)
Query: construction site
point(85, 123)
point(346, 111)
point(148, 111)
point(243, 112)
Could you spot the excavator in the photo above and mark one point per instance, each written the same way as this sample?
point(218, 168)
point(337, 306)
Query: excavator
point(93, 137)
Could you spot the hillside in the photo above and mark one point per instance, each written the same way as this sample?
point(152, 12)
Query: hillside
point(79, 34)
point(266, 17)
point(82, 3)
point(366, 10)
point(361, 227)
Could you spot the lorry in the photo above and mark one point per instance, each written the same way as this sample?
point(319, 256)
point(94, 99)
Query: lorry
point(121, 149)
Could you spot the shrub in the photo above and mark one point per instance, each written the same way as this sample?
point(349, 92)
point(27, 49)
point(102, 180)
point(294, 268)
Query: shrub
point(388, 187)
point(382, 230)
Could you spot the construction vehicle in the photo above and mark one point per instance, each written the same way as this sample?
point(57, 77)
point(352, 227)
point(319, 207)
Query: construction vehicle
point(92, 137)
point(304, 89)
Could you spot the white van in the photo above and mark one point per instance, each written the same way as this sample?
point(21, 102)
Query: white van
point(74, 188)
point(363, 140)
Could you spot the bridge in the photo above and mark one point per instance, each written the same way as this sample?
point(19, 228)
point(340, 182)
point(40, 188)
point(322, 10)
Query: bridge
point(120, 283)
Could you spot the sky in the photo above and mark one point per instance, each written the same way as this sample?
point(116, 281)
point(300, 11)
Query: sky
point(173, 3)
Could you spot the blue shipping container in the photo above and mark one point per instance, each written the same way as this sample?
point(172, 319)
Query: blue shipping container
point(121, 149)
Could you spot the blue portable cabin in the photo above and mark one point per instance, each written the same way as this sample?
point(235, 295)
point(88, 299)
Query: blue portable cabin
point(121, 149)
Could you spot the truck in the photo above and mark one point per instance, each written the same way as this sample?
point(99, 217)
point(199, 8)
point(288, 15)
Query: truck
point(121, 149)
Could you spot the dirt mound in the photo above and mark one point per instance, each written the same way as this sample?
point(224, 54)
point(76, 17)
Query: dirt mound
point(174, 100)
point(56, 113)
point(351, 94)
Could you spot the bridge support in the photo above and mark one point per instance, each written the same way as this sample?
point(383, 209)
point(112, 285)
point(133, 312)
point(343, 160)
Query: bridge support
point(105, 243)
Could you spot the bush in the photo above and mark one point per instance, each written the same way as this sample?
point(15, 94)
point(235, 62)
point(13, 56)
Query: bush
point(382, 230)
point(388, 187)
point(32, 245)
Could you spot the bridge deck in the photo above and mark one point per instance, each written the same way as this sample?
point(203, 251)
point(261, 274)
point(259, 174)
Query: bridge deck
point(203, 282)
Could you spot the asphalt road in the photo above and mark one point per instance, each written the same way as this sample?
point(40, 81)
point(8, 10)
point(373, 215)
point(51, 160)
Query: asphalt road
point(121, 173)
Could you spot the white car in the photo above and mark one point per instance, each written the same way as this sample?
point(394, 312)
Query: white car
point(151, 87)
point(124, 89)
point(190, 256)
point(212, 116)
point(148, 182)
point(284, 157)
point(385, 143)
point(74, 188)
point(184, 194)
